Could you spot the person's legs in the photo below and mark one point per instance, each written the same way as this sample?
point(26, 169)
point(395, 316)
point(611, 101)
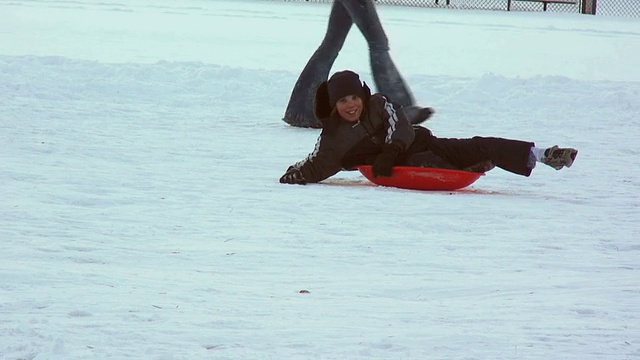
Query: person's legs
point(385, 74)
point(507, 154)
point(300, 110)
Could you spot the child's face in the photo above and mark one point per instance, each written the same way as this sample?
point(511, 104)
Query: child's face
point(350, 107)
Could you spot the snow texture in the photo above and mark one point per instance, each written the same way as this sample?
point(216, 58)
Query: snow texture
point(141, 214)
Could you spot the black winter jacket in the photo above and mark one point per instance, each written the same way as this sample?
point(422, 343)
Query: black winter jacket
point(343, 144)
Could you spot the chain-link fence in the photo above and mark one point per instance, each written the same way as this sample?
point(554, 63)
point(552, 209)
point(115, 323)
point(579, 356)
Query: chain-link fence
point(618, 8)
point(603, 7)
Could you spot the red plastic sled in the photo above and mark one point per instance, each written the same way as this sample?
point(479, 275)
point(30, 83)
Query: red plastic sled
point(422, 178)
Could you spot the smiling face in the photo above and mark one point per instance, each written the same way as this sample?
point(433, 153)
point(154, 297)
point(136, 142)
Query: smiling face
point(350, 107)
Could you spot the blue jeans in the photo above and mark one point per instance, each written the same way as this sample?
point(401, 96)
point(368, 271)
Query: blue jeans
point(386, 76)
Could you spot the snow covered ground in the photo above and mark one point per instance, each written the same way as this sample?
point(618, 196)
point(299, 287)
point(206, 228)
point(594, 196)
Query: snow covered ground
point(141, 216)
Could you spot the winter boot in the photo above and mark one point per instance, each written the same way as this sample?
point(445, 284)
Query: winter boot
point(417, 114)
point(558, 157)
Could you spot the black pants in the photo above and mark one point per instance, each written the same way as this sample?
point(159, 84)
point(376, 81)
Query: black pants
point(507, 154)
point(388, 80)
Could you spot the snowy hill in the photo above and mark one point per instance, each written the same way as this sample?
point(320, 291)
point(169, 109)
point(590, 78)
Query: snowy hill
point(142, 217)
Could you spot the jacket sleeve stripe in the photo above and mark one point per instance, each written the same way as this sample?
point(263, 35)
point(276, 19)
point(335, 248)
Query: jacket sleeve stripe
point(309, 157)
point(393, 120)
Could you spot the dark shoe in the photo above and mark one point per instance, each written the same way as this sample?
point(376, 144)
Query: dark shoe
point(417, 114)
point(558, 157)
point(428, 159)
point(300, 120)
point(481, 167)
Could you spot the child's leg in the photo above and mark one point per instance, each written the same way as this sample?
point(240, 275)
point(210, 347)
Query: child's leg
point(507, 154)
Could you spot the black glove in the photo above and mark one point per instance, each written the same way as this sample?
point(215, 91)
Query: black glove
point(383, 164)
point(293, 176)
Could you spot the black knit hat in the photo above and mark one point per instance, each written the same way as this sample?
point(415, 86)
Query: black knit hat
point(344, 83)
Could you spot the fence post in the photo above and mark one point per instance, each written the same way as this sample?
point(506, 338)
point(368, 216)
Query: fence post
point(589, 6)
